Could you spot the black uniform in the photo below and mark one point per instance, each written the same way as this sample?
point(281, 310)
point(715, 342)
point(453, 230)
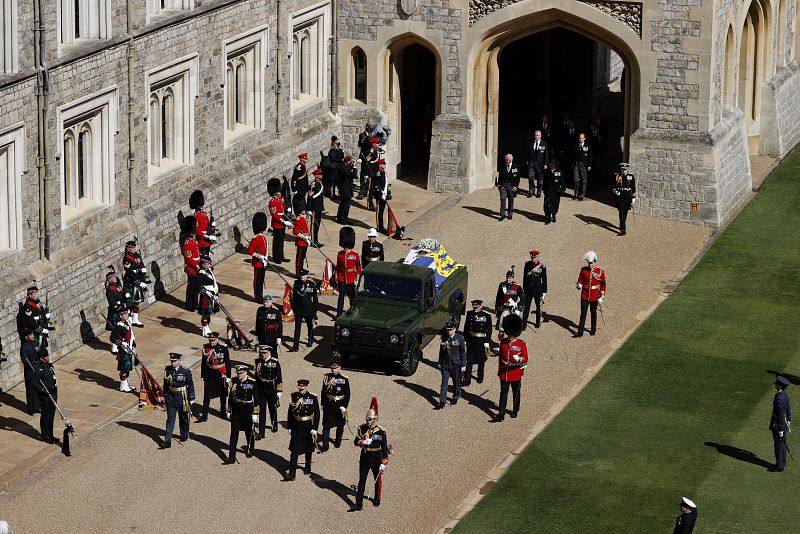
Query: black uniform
point(507, 179)
point(553, 187)
point(624, 193)
point(364, 146)
point(378, 186)
point(331, 177)
point(44, 374)
point(335, 396)
point(27, 352)
point(244, 401)
point(216, 360)
point(300, 179)
point(779, 426)
point(122, 337)
point(178, 396)
point(134, 280)
point(117, 300)
point(304, 306)
point(534, 285)
point(372, 167)
point(34, 317)
point(371, 252)
point(346, 177)
point(477, 331)
point(269, 327)
point(452, 357)
point(684, 524)
point(581, 162)
point(373, 454)
point(302, 418)
point(316, 205)
point(270, 383)
point(538, 160)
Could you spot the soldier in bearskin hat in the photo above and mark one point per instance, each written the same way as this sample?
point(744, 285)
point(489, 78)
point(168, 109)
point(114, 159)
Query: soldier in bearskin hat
point(191, 260)
point(206, 225)
point(257, 249)
point(301, 233)
point(348, 267)
point(513, 361)
point(278, 220)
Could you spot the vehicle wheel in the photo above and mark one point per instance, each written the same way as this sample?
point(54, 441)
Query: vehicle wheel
point(409, 364)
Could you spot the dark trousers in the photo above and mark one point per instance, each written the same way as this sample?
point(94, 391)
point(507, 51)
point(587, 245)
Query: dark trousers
point(506, 196)
point(530, 299)
point(183, 424)
point(309, 324)
point(579, 177)
point(258, 283)
point(239, 423)
point(780, 449)
point(515, 391)
point(551, 204)
point(326, 434)
point(468, 373)
point(379, 213)
point(535, 176)
point(192, 292)
point(343, 213)
point(299, 260)
point(293, 463)
point(344, 289)
point(316, 221)
point(48, 414)
point(223, 404)
point(278, 236)
point(363, 183)
point(447, 374)
point(268, 403)
point(623, 217)
point(593, 306)
point(363, 473)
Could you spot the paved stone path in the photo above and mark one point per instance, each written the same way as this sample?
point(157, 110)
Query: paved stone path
point(117, 479)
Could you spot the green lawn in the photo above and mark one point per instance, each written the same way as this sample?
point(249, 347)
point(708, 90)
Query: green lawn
point(698, 372)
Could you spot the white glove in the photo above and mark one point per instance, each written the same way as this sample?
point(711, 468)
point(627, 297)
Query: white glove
point(544, 295)
point(313, 432)
point(342, 409)
point(616, 193)
point(142, 285)
point(264, 260)
point(579, 286)
point(382, 468)
point(127, 295)
point(125, 345)
point(780, 433)
point(279, 394)
point(367, 441)
point(212, 238)
point(600, 300)
point(278, 341)
point(143, 269)
point(463, 369)
point(227, 415)
point(633, 201)
point(516, 358)
point(307, 239)
point(255, 418)
point(45, 331)
point(288, 224)
point(486, 345)
point(193, 401)
point(358, 161)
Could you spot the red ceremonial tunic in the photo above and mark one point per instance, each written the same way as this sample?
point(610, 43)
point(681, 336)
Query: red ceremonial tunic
point(276, 211)
point(348, 266)
point(203, 222)
point(191, 256)
point(300, 227)
point(510, 370)
point(593, 282)
point(258, 245)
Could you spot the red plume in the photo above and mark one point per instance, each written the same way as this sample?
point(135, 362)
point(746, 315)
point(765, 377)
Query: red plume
point(373, 405)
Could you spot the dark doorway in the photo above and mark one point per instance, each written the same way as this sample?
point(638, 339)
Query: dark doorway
point(418, 101)
point(559, 72)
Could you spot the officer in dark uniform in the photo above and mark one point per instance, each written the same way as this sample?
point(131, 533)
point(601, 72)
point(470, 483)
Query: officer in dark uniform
point(510, 299)
point(364, 148)
point(553, 186)
point(316, 205)
point(371, 249)
point(244, 401)
point(581, 166)
point(269, 325)
point(452, 362)
point(478, 336)
point(178, 390)
point(507, 183)
point(779, 422)
point(347, 174)
point(300, 182)
point(214, 373)
point(335, 400)
point(380, 193)
point(34, 317)
point(134, 281)
point(27, 353)
point(116, 299)
point(303, 422)
point(534, 285)
point(270, 383)
point(374, 456)
point(538, 161)
point(684, 524)
point(304, 305)
point(624, 194)
point(44, 380)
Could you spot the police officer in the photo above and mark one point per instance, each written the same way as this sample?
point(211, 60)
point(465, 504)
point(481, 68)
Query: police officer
point(538, 161)
point(215, 371)
point(581, 165)
point(269, 325)
point(507, 184)
point(134, 281)
point(27, 353)
point(534, 284)
point(553, 186)
point(684, 524)
point(122, 337)
point(243, 402)
point(477, 335)
point(178, 390)
point(44, 381)
point(191, 261)
point(335, 400)
point(270, 383)
point(380, 192)
point(34, 318)
point(513, 360)
point(300, 182)
point(304, 305)
point(348, 267)
point(780, 422)
point(303, 422)
point(452, 362)
point(592, 285)
point(624, 194)
point(374, 444)
point(510, 299)
point(371, 249)
point(116, 300)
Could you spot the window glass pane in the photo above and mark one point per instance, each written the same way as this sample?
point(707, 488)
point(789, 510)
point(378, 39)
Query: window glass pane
point(360, 67)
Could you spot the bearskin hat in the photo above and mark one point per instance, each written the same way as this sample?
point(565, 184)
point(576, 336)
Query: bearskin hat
point(260, 221)
point(299, 203)
point(189, 225)
point(512, 325)
point(347, 237)
point(197, 200)
point(273, 186)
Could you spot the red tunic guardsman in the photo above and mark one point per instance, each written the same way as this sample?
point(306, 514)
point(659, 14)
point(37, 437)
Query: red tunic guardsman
point(592, 285)
point(278, 222)
point(191, 261)
point(205, 233)
point(348, 267)
point(513, 360)
point(257, 249)
point(301, 234)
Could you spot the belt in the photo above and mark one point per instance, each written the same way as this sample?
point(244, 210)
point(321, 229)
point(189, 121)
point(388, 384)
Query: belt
point(304, 418)
point(336, 398)
point(473, 334)
point(372, 257)
point(372, 449)
point(350, 269)
point(218, 366)
point(266, 379)
point(238, 401)
point(595, 287)
point(177, 390)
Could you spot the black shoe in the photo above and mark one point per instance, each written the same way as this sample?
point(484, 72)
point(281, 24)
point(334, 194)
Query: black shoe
point(183, 440)
point(480, 381)
point(439, 406)
point(502, 218)
point(554, 218)
point(538, 194)
point(591, 332)
point(306, 470)
point(165, 445)
point(465, 384)
point(360, 197)
point(248, 454)
point(453, 402)
point(578, 335)
point(294, 348)
point(309, 342)
point(622, 232)
point(289, 477)
point(274, 427)
point(371, 208)
point(322, 450)
point(537, 325)
point(498, 418)
point(774, 469)
point(337, 444)
point(547, 221)
point(376, 502)
point(355, 508)
point(510, 217)
point(202, 419)
point(286, 260)
point(513, 415)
